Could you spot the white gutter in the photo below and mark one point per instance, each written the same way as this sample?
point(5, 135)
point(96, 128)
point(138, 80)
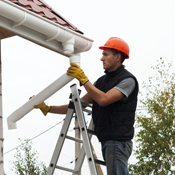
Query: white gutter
point(72, 42)
point(42, 96)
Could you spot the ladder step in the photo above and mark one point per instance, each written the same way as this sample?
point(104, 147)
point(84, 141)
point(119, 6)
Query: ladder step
point(74, 139)
point(100, 162)
point(91, 131)
point(66, 169)
point(88, 111)
point(86, 104)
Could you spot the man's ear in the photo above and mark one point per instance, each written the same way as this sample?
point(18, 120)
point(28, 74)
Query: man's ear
point(118, 57)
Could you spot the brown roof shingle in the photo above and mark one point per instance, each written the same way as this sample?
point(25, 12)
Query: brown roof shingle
point(41, 8)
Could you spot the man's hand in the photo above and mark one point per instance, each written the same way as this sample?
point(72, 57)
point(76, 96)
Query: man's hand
point(43, 107)
point(75, 71)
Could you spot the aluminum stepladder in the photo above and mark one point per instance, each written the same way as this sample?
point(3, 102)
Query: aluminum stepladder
point(75, 105)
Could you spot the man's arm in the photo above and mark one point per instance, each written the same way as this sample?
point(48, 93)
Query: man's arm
point(59, 109)
point(103, 99)
point(63, 108)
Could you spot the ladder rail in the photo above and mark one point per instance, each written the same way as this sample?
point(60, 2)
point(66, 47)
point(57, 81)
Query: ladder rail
point(60, 141)
point(85, 136)
point(80, 159)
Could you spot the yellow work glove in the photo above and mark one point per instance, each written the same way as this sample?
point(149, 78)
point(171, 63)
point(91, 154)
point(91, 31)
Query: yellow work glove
point(43, 107)
point(75, 71)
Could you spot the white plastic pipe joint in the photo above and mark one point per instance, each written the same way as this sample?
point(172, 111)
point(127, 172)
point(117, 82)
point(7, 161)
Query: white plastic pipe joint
point(68, 46)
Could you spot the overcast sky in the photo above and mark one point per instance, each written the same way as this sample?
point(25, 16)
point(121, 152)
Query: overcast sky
point(148, 28)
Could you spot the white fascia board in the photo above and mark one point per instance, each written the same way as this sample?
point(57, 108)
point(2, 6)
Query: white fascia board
point(41, 30)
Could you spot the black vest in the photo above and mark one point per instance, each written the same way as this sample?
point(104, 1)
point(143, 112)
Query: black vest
point(115, 121)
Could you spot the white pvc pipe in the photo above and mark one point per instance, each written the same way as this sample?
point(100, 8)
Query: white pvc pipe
point(42, 96)
point(69, 39)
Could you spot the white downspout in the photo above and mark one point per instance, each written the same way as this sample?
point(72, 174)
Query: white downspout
point(42, 96)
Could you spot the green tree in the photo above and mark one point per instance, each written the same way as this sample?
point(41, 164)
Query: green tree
point(155, 150)
point(26, 162)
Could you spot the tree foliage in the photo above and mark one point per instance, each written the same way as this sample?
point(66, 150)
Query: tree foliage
point(155, 151)
point(26, 162)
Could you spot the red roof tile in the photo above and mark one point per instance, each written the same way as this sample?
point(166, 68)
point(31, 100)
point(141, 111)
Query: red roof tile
point(41, 8)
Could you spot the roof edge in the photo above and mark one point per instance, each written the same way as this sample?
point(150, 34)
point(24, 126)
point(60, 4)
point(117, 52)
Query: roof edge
point(71, 41)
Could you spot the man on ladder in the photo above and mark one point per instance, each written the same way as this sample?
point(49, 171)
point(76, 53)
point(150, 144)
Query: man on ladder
point(114, 99)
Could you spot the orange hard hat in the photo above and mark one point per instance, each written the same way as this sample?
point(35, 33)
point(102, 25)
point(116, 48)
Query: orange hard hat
point(118, 44)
